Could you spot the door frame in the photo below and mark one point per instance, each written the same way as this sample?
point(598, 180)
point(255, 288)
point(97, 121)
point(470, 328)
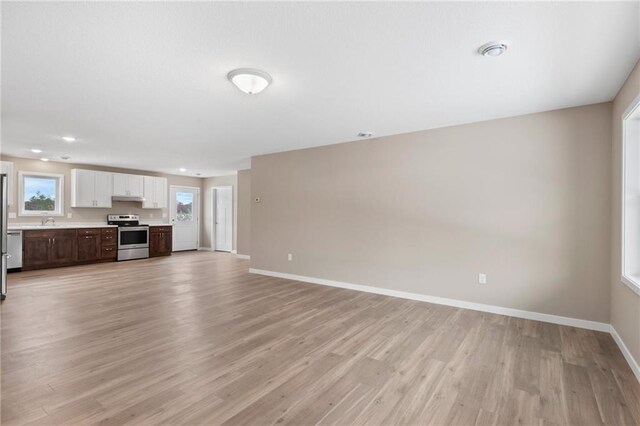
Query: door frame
point(199, 211)
point(214, 213)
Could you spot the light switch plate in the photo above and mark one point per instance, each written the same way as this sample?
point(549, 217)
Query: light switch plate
point(69, 215)
point(164, 215)
point(12, 215)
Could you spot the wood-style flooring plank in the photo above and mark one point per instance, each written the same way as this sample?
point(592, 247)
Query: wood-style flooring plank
point(196, 339)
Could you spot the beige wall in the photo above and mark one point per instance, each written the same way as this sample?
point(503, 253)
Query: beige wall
point(525, 200)
point(625, 304)
point(207, 228)
point(89, 215)
point(244, 212)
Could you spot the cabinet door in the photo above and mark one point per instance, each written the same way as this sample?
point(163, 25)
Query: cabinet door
point(154, 244)
point(88, 244)
point(165, 243)
point(63, 248)
point(161, 192)
point(6, 167)
point(149, 186)
point(36, 252)
point(136, 185)
point(120, 184)
point(83, 184)
point(103, 189)
point(89, 247)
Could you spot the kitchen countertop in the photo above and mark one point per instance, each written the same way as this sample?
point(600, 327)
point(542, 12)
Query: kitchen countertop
point(35, 226)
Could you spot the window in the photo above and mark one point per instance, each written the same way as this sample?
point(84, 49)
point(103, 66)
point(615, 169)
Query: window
point(631, 197)
point(184, 207)
point(41, 194)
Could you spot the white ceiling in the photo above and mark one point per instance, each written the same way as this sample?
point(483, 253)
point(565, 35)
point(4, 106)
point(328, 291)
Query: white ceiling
point(143, 85)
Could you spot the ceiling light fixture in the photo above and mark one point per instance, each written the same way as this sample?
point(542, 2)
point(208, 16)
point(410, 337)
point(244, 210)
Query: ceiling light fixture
point(493, 48)
point(44, 159)
point(68, 139)
point(250, 80)
point(182, 169)
point(35, 150)
point(365, 134)
point(65, 157)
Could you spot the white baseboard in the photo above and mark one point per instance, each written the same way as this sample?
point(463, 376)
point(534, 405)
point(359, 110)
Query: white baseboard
point(243, 256)
point(234, 251)
point(627, 354)
point(555, 319)
point(205, 249)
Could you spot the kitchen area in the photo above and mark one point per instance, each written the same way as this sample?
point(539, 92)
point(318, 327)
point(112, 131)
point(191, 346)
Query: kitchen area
point(58, 215)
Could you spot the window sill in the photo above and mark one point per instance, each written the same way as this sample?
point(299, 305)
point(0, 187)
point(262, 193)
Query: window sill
point(633, 283)
point(41, 214)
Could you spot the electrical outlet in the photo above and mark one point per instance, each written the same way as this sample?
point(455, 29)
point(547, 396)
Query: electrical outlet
point(289, 257)
point(164, 215)
point(12, 215)
point(151, 215)
point(69, 215)
point(482, 278)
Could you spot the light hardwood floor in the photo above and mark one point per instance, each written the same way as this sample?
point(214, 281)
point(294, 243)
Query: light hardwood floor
point(196, 339)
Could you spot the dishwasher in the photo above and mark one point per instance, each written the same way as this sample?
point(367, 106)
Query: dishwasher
point(14, 250)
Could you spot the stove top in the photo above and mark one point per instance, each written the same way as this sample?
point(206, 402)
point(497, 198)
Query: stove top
point(124, 220)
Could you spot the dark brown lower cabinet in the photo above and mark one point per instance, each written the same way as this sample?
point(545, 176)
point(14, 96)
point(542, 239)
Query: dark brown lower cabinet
point(89, 245)
point(160, 241)
point(109, 244)
point(50, 248)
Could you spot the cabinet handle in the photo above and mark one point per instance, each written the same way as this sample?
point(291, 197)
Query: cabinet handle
point(108, 249)
point(89, 236)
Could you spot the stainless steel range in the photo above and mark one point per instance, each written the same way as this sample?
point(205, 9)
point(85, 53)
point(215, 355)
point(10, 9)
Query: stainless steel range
point(133, 238)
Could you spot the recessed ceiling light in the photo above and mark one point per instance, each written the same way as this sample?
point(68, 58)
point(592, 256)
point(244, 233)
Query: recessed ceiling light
point(35, 150)
point(365, 134)
point(68, 139)
point(198, 174)
point(182, 169)
point(493, 48)
point(250, 80)
point(44, 159)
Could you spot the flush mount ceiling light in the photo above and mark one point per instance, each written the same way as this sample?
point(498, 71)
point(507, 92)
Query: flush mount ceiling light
point(365, 134)
point(182, 169)
point(250, 80)
point(44, 159)
point(35, 150)
point(493, 48)
point(68, 139)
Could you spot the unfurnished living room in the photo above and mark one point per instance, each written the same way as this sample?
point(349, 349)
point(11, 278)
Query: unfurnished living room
point(336, 213)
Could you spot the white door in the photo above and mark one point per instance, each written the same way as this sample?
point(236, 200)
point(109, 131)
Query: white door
point(161, 192)
point(103, 189)
point(185, 217)
point(83, 182)
point(223, 218)
point(149, 183)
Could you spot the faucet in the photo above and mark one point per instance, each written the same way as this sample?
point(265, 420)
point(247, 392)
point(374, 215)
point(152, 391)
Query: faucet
point(46, 220)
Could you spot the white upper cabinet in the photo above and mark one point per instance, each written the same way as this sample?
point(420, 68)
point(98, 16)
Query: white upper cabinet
point(155, 193)
point(125, 185)
point(6, 167)
point(90, 188)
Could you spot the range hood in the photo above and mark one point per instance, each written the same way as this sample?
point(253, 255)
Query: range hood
point(127, 198)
